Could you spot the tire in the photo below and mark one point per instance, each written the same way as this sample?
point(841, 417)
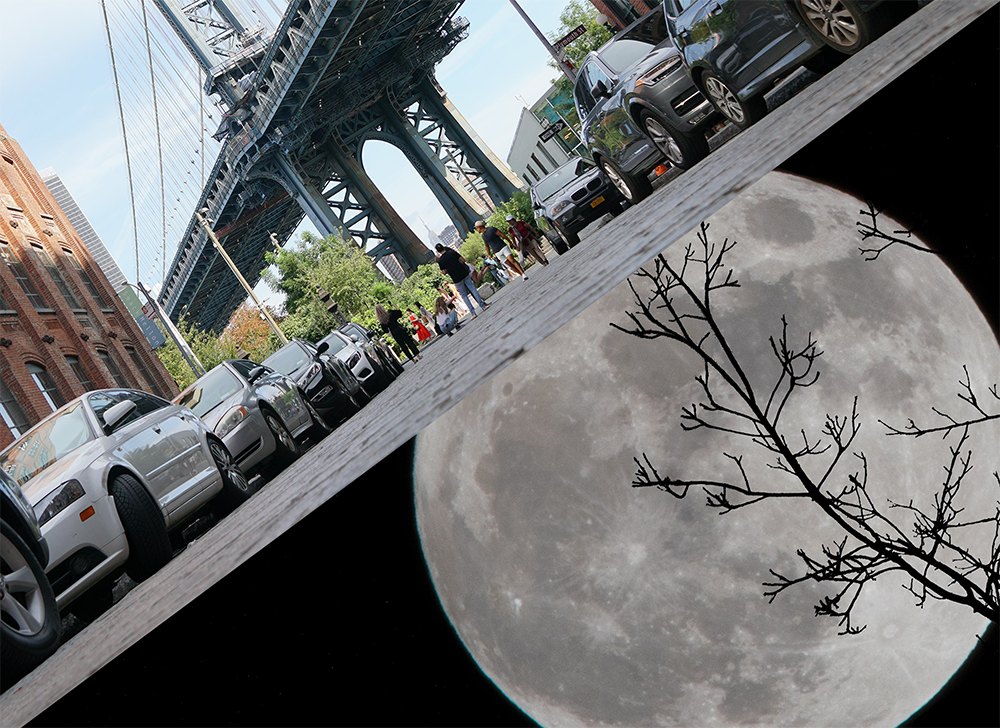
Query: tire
point(842, 25)
point(286, 450)
point(743, 113)
point(569, 238)
point(555, 239)
point(235, 486)
point(319, 430)
point(29, 618)
point(635, 188)
point(681, 150)
point(148, 543)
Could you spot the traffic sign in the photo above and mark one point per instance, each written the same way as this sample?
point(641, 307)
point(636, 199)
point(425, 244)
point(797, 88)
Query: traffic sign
point(570, 37)
point(552, 130)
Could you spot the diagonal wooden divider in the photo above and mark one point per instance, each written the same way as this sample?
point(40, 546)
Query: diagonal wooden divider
point(513, 325)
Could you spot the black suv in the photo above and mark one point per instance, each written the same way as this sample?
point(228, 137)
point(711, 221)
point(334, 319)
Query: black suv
point(638, 107)
point(570, 198)
point(325, 381)
point(735, 50)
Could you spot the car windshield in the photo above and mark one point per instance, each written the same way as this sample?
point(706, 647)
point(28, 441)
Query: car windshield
point(631, 47)
point(563, 176)
point(210, 391)
point(287, 359)
point(335, 342)
point(43, 445)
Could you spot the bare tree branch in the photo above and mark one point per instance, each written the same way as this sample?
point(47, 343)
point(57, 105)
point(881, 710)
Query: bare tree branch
point(678, 306)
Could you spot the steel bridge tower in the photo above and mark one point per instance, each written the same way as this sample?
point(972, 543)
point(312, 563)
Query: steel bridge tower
point(300, 106)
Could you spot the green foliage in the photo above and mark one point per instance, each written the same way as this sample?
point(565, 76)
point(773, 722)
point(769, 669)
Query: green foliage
point(576, 13)
point(473, 248)
point(519, 206)
point(209, 348)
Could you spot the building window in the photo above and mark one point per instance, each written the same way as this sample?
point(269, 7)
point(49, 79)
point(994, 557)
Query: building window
point(80, 372)
point(11, 412)
point(137, 360)
point(46, 385)
point(539, 164)
point(22, 278)
point(113, 368)
point(88, 284)
point(45, 260)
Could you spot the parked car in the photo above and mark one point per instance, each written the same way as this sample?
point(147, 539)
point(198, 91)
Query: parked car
point(571, 197)
point(735, 50)
point(382, 350)
point(361, 359)
point(29, 618)
point(110, 476)
point(258, 412)
point(329, 386)
point(638, 107)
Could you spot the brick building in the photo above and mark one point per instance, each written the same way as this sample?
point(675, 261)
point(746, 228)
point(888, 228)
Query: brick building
point(622, 12)
point(63, 331)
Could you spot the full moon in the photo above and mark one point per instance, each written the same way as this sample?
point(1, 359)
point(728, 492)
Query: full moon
point(589, 602)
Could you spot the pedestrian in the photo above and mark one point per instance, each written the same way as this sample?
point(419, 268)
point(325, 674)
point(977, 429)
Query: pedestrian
point(499, 244)
point(427, 317)
point(527, 239)
point(445, 316)
point(390, 325)
point(422, 333)
point(491, 265)
point(455, 266)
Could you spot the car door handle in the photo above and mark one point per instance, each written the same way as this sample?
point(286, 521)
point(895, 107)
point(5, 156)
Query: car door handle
point(156, 429)
point(715, 9)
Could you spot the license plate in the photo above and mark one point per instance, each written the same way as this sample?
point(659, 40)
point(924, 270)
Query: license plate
point(597, 202)
point(322, 393)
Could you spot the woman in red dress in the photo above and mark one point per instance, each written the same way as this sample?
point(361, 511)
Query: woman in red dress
point(422, 333)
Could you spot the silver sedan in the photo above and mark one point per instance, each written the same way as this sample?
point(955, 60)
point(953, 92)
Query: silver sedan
point(110, 476)
point(259, 413)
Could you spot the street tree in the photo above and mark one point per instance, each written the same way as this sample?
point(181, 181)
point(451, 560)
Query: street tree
point(575, 14)
point(932, 544)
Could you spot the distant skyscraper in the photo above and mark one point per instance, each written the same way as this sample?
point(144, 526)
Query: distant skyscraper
point(450, 237)
point(83, 228)
point(392, 268)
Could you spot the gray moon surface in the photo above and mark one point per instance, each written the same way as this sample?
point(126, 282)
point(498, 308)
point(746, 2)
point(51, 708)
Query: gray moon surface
point(589, 602)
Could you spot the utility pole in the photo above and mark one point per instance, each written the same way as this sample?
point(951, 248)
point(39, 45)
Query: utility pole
point(563, 65)
point(232, 266)
point(182, 346)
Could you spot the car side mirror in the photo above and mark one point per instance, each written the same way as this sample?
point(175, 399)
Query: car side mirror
point(322, 347)
point(601, 90)
point(255, 374)
point(355, 338)
point(116, 414)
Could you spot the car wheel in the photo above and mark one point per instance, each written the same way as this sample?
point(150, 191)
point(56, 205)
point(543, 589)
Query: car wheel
point(554, 238)
point(319, 430)
point(634, 187)
point(29, 617)
point(235, 486)
point(741, 112)
point(681, 150)
point(841, 24)
point(148, 543)
point(286, 450)
point(568, 237)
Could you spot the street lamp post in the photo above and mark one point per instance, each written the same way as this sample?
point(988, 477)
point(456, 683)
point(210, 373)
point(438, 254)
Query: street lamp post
point(563, 65)
point(182, 346)
point(232, 266)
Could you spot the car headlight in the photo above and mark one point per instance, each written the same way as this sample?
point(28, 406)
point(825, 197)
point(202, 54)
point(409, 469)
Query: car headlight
point(58, 500)
point(659, 71)
point(232, 418)
point(560, 206)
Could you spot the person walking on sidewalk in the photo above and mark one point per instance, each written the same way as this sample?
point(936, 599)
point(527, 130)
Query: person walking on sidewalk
point(526, 239)
point(455, 266)
point(390, 324)
point(499, 245)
